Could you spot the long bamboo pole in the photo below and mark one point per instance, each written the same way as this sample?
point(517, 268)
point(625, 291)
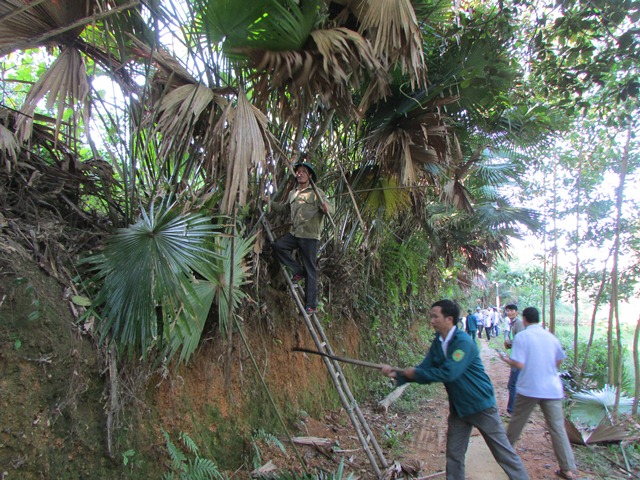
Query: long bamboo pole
point(377, 366)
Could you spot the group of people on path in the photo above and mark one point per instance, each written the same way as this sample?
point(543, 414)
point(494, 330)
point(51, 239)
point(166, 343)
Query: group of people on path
point(488, 320)
point(454, 360)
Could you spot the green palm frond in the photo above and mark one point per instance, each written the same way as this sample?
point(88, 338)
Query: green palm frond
point(591, 407)
point(494, 174)
point(411, 127)
point(145, 273)
point(185, 332)
point(218, 275)
point(269, 24)
point(386, 197)
point(506, 218)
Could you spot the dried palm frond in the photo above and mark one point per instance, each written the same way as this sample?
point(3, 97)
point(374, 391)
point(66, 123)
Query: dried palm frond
point(65, 84)
point(181, 109)
point(248, 139)
point(603, 433)
point(338, 61)
point(9, 148)
point(21, 23)
point(349, 56)
point(455, 194)
point(167, 63)
point(395, 34)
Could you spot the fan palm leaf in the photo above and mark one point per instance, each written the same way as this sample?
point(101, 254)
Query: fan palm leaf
point(185, 332)
point(387, 197)
point(146, 275)
point(180, 110)
point(408, 135)
point(20, 23)
point(269, 24)
point(65, 83)
point(248, 139)
point(335, 63)
point(219, 274)
point(395, 35)
point(591, 407)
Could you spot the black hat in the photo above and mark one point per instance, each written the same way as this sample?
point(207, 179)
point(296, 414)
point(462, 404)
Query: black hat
point(309, 167)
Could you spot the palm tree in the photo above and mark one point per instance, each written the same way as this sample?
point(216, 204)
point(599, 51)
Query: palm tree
point(214, 121)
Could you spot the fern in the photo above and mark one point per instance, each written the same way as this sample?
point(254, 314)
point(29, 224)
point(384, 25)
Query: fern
point(184, 468)
point(189, 443)
point(177, 456)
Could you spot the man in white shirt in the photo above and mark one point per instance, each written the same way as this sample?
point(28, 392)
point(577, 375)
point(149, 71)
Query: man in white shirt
point(538, 354)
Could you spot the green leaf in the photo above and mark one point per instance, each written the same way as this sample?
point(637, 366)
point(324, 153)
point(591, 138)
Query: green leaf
point(81, 301)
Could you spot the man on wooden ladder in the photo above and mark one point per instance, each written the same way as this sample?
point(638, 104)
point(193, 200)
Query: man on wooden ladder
point(307, 205)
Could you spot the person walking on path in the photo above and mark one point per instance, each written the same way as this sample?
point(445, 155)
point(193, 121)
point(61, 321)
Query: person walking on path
point(487, 314)
point(515, 326)
point(538, 354)
point(479, 321)
point(472, 325)
point(307, 205)
point(454, 360)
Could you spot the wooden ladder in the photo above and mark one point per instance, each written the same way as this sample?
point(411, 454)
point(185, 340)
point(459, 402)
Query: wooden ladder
point(368, 441)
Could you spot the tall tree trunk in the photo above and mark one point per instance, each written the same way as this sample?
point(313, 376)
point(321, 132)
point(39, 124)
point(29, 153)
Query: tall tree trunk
point(614, 311)
point(554, 256)
point(592, 331)
point(576, 273)
point(636, 369)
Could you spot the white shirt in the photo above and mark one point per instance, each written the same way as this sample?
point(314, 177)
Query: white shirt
point(445, 341)
point(539, 351)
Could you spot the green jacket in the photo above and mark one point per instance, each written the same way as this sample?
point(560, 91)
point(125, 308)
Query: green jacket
point(468, 385)
point(306, 216)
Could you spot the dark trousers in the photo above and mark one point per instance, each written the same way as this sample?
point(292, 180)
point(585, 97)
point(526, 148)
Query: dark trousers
point(472, 334)
point(308, 251)
point(511, 386)
point(490, 426)
point(488, 330)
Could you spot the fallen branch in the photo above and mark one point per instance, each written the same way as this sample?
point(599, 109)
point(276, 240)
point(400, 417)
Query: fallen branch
point(396, 393)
